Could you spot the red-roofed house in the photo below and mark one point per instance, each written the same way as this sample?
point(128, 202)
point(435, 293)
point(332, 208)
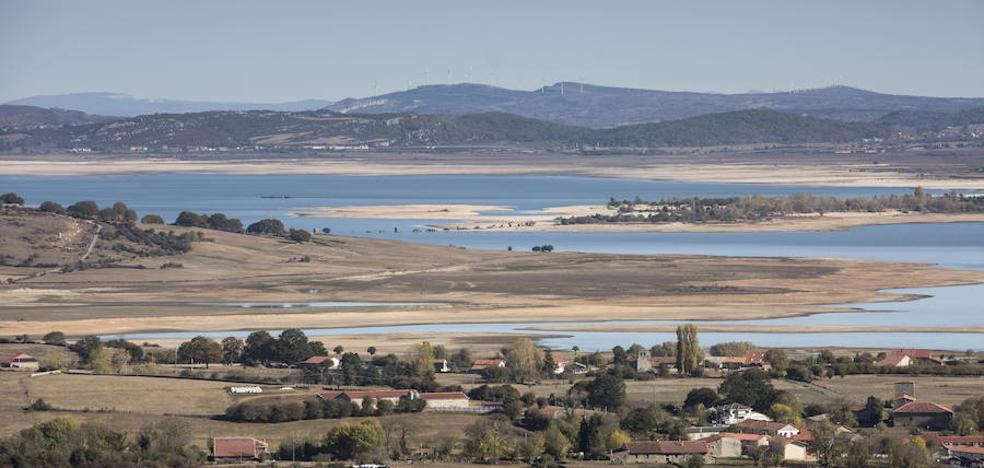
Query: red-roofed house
point(445, 400)
point(330, 362)
point(964, 455)
point(908, 357)
point(481, 364)
point(921, 414)
point(238, 448)
point(21, 361)
point(660, 451)
point(723, 446)
point(769, 427)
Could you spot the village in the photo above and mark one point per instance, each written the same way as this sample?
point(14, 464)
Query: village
point(290, 400)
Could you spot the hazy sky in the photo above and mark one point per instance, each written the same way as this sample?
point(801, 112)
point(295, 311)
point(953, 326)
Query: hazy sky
point(285, 50)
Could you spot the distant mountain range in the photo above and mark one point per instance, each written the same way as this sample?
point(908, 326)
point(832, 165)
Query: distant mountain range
point(26, 117)
point(324, 129)
point(568, 103)
point(124, 105)
point(601, 106)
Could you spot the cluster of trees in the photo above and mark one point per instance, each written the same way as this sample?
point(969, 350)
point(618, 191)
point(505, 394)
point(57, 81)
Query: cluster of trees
point(63, 442)
point(757, 208)
point(547, 248)
point(216, 221)
point(88, 209)
point(525, 364)
point(363, 442)
point(290, 347)
point(278, 410)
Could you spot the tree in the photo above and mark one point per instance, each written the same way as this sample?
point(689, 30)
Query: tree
point(259, 347)
point(778, 360)
point(339, 349)
point(785, 414)
point(200, 349)
point(423, 359)
point(617, 439)
point(555, 443)
point(751, 387)
point(152, 219)
point(701, 396)
point(487, 439)
point(270, 227)
point(606, 391)
point(524, 361)
point(688, 349)
point(371, 350)
point(911, 453)
point(531, 448)
point(232, 349)
point(86, 347)
point(11, 198)
point(292, 346)
point(51, 207)
point(86, 209)
point(299, 235)
point(354, 441)
point(190, 219)
point(56, 338)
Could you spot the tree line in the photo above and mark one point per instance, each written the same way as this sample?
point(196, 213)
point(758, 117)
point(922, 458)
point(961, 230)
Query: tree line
point(759, 208)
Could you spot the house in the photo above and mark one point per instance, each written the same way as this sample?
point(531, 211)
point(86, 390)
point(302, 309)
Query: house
point(768, 427)
point(751, 358)
point(925, 415)
point(660, 451)
point(703, 432)
point(357, 396)
point(792, 450)
point(736, 413)
point(748, 440)
point(238, 448)
point(908, 357)
point(441, 366)
point(646, 363)
point(723, 446)
point(574, 367)
point(329, 362)
point(480, 365)
point(20, 361)
point(963, 455)
point(445, 400)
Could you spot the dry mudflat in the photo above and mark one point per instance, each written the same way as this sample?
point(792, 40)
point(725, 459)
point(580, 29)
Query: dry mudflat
point(446, 285)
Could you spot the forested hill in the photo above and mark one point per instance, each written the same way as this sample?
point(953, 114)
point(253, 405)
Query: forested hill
point(325, 129)
point(27, 117)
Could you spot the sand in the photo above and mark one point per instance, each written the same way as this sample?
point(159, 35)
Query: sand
point(491, 218)
point(856, 172)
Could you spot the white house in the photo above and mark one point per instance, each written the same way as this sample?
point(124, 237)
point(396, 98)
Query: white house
point(21, 361)
point(736, 413)
point(575, 367)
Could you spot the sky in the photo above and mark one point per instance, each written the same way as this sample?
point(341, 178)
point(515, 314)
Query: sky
point(269, 51)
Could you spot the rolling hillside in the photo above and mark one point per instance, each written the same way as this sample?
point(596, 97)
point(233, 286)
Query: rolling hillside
point(27, 117)
point(602, 106)
point(326, 129)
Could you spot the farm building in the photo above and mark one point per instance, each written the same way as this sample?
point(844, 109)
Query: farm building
point(925, 415)
point(330, 362)
point(768, 427)
point(445, 400)
point(481, 364)
point(660, 451)
point(20, 361)
point(238, 448)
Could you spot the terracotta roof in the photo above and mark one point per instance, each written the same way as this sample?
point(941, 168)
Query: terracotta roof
point(756, 425)
point(961, 440)
point(444, 396)
point(969, 449)
point(904, 397)
point(480, 363)
point(237, 447)
point(915, 353)
point(19, 357)
point(316, 360)
point(328, 395)
point(892, 359)
point(922, 407)
point(665, 447)
point(360, 394)
point(742, 436)
point(754, 356)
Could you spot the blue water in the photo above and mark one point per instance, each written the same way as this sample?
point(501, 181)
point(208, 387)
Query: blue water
point(958, 245)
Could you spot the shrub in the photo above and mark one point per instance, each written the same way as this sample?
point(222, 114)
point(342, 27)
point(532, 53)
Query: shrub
point(152, 219)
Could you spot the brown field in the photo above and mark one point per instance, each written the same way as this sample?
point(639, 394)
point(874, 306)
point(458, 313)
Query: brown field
point(456, 286)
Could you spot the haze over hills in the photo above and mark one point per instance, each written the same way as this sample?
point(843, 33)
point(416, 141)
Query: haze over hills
point(124, 105)
point(27, 117)
point(602, 106)
point(323, 129)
